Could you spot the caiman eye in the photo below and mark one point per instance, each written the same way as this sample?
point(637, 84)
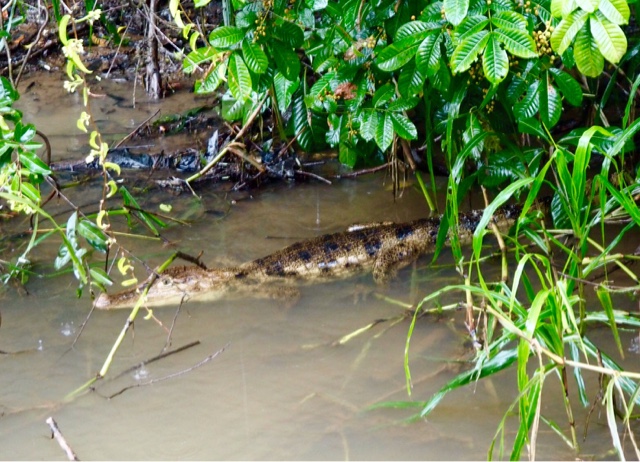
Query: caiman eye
point(166, 281)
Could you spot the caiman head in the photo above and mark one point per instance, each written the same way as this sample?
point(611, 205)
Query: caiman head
point(172, 287)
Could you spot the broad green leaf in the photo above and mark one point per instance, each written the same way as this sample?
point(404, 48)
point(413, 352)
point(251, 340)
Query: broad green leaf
point(212, 80)
point(254, 57)
point(100, 277)
point(531, 126)
point(23, 133)
point(509, 19)
point(403, 126)
point(470, 26)
point(616, 11)
point(568, 86)
point(567, 30)
point(347, 154)
point(467, 51)
point(588, 5)
point(284, 89)
point(287, 62)
point(411, 80)
point(316, 5)
point(399, 53)
point(403, 104)
point(587, 55)
point(368, 125)
point(93, 234)
point(238, 78)
point(384, 131)
point(455, 10)
point(517, 42)
point(550, 103)
point(225, 36)
point(562, 8)
point(30, 192)
point(530, 104)
point(429, 54)
point(33, 163)
point(202, 55)
point(290, 33)
point(495, 62)
point(610, 39)
point(382, 95)
point(415, 29)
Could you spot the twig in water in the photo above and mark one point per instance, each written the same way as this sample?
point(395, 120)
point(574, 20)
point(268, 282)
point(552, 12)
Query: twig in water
point(174, 375)
point(135, 130)
point(57, 434)
point(157, 358)
point(362, 172)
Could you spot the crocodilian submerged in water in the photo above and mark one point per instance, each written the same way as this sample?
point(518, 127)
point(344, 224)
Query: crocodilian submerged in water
point(378, 248)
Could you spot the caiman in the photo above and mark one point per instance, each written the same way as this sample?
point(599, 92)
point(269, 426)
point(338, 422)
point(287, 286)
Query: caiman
point(379, 248)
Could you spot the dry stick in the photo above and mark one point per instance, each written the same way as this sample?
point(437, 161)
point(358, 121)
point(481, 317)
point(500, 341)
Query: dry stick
point(135, 130)
point(156, 358)
point(55, 433)
point(312, 175)
point(174, 375)
point(364, 171)
point(222, 152)
point(30, 47)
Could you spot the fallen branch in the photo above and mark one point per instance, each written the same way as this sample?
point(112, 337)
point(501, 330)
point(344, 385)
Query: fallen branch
point(57, 434)
point(174, 375)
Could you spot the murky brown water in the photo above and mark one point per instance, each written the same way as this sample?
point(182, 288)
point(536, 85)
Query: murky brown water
point(279, 390)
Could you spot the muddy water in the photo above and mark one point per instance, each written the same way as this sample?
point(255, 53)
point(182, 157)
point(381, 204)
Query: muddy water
point(279, 389)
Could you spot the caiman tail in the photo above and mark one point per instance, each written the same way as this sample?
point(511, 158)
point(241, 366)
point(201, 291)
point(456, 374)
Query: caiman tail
point(381, 249)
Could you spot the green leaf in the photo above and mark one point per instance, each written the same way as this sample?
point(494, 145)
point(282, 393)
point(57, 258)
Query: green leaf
point(368, 125)
point(509, 19)
point(531, 126)
point(495, 62)
point(33, 163)
point(562, 8)
point(616, 11)
point(254, 57)
point(530, 104)
point(384, 131)
point(550, 103)
point(455, 10)
point(567, 30)
point(588, 5)
point(197, 57)
point(383, 95)
point(585, 51)
point(502, 360)
point(289, 33)
point(570, 89)
point(94, 235)
point(225, 36)
point(417, 30)
point(411, 80)
point(347, 154)
point(317, 5)
point(470, 26)
point(100, 277)
point(238, 78)
point(467, 51)
point(212, 80)
point(403, 126)
point(287, 62)
point(284, 89)
point(610, 39)
point(517, 42)
point(429, 54)
point(23, 133)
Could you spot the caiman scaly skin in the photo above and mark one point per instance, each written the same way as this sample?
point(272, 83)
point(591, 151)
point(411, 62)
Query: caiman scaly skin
point(381, 249)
